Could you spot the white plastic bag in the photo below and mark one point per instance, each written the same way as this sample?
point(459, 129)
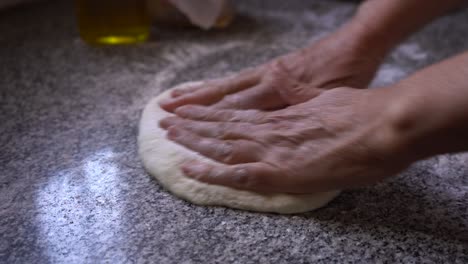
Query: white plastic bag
point(203, 13)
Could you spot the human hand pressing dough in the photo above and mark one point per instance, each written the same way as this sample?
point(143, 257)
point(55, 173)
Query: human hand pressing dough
point(339, 139)
point(162, 159)
point(290, 79)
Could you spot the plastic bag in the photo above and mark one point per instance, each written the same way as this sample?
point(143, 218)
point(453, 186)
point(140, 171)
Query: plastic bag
point(205, 14)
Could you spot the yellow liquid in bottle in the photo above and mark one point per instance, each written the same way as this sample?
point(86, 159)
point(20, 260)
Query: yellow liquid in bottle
point(111, 22)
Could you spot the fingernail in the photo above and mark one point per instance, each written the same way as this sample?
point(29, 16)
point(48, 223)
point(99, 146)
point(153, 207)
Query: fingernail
point(168, 104)
point(164, 123)
point(194, 169)
point(167, 122)
point(175, 93)
point(165, 101)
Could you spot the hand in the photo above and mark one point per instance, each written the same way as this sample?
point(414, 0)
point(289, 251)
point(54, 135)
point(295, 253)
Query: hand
point(335, 61)
point(340, 139)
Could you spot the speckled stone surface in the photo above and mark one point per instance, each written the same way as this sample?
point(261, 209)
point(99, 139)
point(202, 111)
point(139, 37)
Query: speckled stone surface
point(72, 188)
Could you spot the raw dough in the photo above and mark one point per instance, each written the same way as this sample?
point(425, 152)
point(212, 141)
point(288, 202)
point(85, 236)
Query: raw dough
point(162, 157)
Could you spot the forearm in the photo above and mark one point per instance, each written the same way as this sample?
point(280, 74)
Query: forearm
point(429, 111)
point(380, 25)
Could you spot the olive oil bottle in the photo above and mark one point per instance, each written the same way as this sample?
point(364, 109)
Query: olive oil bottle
point(111, 22)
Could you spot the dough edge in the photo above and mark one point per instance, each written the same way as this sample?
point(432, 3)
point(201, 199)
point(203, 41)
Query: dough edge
point(162, 158)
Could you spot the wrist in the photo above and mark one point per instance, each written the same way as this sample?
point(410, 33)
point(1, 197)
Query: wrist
point(350, 41)
point(421, 125)
point(368, 39)
point(388, 135)
point(426, 114)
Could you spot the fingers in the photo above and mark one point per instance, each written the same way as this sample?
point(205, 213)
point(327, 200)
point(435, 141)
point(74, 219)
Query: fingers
point(181, 91)
point(202, 113)
point(259, 177)
point(170, 121)
point(262, 96)
point(226, 151)
point(211, 92)
point(202, 96)
point(251, 176)
point(221, 130)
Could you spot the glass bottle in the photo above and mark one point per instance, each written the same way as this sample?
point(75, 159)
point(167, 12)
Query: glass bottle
point(113, 21)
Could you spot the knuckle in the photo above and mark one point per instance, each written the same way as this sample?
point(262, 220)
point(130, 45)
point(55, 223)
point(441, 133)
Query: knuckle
point(204, 115)
point(223, 130)
point(273, 137)
point(249, 178)
point(205, 145)
point(233, 116)
point(243, 178)
point(254, 115)
point(281, 140)
point(222, 115)
point(273, 119)
point(232, 130)
point(185, 110)
point(242, 130)
point(188, 125)
point(233, 100)
point(225, 152)
point(281, 125)
point(283, 157)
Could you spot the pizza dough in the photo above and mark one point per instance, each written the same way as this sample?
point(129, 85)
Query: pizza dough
point(162, 157)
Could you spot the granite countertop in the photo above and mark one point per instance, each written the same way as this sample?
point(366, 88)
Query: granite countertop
point(72, 188)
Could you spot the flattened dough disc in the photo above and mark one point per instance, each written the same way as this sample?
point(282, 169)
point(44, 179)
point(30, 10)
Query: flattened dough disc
point(162, 158)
